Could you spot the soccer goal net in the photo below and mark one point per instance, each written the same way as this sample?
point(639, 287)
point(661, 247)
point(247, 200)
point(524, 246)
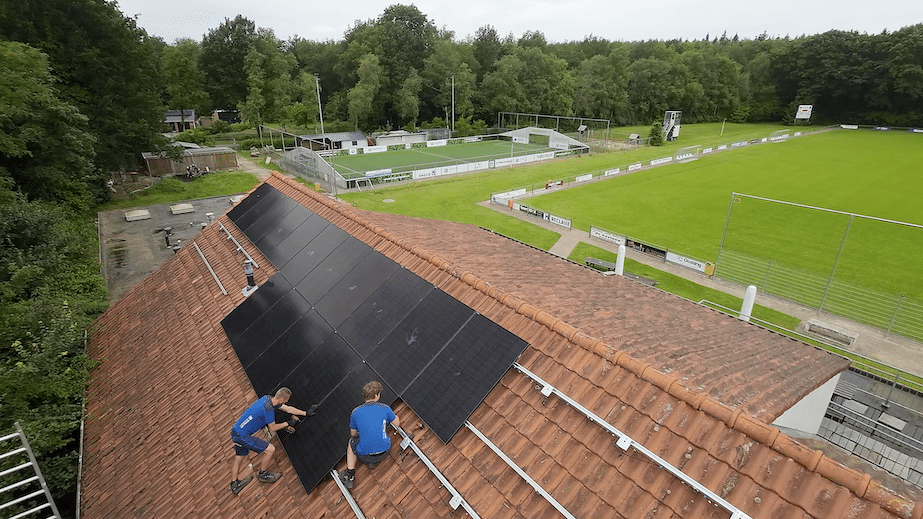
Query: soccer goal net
point(687, 154)
point(780, 135)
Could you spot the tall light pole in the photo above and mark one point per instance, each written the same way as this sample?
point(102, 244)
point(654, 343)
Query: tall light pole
point(320, 111)
point(453, 106)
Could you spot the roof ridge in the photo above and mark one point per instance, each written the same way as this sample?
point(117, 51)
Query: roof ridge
point(861, 484)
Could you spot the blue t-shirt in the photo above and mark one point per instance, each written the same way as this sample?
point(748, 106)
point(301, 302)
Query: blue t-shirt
point(257, 416)
point(371, 419)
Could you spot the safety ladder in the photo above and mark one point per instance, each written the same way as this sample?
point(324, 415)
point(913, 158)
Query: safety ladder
point(22, 492)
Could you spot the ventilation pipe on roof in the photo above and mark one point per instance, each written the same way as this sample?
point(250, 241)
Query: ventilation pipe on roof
point(747, 309)
point(251, 284)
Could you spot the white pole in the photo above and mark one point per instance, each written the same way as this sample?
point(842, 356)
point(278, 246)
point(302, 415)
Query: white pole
point(747, 309)
point(620, 261)
point(320, 111)
point(453, 105)
point(722, 126)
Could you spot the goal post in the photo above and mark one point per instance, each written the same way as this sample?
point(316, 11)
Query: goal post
point(780, 135)
point(687, 154)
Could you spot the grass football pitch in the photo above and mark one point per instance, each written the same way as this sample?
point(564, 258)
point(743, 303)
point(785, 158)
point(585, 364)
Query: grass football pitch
point(351, 166)
point(685, 206)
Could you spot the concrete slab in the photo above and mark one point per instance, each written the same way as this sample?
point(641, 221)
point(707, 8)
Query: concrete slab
point(855, 406)
point(892, 421)
point(130, 250)
point(182, 208)
point(137, 214)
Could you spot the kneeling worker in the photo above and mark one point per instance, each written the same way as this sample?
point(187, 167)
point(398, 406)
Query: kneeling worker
point(259, 415)
point(368, 429)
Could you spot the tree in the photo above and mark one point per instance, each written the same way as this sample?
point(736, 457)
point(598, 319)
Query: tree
point(107, 68)
point(361, 96)
point(407, 100)
point(45, 148)
point(528, 80)
point(184, 81)
point(269, 85)
point(656, 134)
point(50, 290)
point(445, 62)
point(487, 49)
point(602, 86)
point(224, 52)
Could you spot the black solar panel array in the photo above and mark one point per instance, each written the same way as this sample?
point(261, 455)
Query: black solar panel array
point(339, 314)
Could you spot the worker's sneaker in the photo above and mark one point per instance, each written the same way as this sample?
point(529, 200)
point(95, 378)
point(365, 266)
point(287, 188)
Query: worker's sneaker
point(238, 485)
point(268, 477)
point(347, 479)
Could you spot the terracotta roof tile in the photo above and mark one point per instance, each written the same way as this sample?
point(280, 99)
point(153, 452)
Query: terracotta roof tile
point(646, 364)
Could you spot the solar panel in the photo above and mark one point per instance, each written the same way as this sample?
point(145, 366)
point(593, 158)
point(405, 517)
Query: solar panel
point(419, 337)
point(292, 245)
point(377, 316)
point(247, 203)
point(332, 269)
point(313, 253)
point(345, 297)
point(242, 317)
point(267, 203)
point(269, 242)
point(339, 314)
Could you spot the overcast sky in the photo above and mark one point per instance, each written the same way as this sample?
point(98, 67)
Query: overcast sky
point(560, 21)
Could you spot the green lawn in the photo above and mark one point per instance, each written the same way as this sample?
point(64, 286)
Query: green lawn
point(175, 190)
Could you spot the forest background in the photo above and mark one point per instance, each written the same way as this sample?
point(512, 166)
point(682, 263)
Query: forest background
point(84, 91)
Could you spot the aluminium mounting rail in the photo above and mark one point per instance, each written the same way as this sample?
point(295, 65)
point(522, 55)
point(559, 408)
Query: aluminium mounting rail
point(239, 246)
point(457, 498)
point(207, 264)
point(538, 488)
point(625, 442)
point(347, 495)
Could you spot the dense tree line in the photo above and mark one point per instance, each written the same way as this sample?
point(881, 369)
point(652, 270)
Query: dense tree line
point(84, 89)
point(398, 70)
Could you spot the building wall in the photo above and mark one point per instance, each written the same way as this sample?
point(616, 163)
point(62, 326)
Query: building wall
point(387, 140)
point(806, 415)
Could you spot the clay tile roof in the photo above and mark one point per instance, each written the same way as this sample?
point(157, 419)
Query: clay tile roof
point(169, 387)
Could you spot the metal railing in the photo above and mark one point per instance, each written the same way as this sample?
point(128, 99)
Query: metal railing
point(893, 314)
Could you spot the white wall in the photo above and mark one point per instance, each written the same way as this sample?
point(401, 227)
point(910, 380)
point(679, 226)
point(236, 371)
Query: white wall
point(806, 415)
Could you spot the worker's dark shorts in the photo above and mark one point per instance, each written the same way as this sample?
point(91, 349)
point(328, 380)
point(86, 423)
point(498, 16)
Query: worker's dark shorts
point(245, 444)
point(368, 459)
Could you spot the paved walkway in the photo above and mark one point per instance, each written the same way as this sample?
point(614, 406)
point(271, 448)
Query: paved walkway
point(902, 353)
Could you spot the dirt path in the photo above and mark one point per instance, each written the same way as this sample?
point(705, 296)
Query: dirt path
point(250, 166)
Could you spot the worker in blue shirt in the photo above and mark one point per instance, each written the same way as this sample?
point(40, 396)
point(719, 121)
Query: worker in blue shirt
point(259, 415)
point(368, 429)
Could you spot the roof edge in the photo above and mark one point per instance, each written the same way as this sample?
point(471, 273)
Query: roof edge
point(861, 484)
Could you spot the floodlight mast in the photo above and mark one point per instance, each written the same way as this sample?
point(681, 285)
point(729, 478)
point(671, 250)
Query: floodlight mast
point(320, 111)
point(453, 106)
